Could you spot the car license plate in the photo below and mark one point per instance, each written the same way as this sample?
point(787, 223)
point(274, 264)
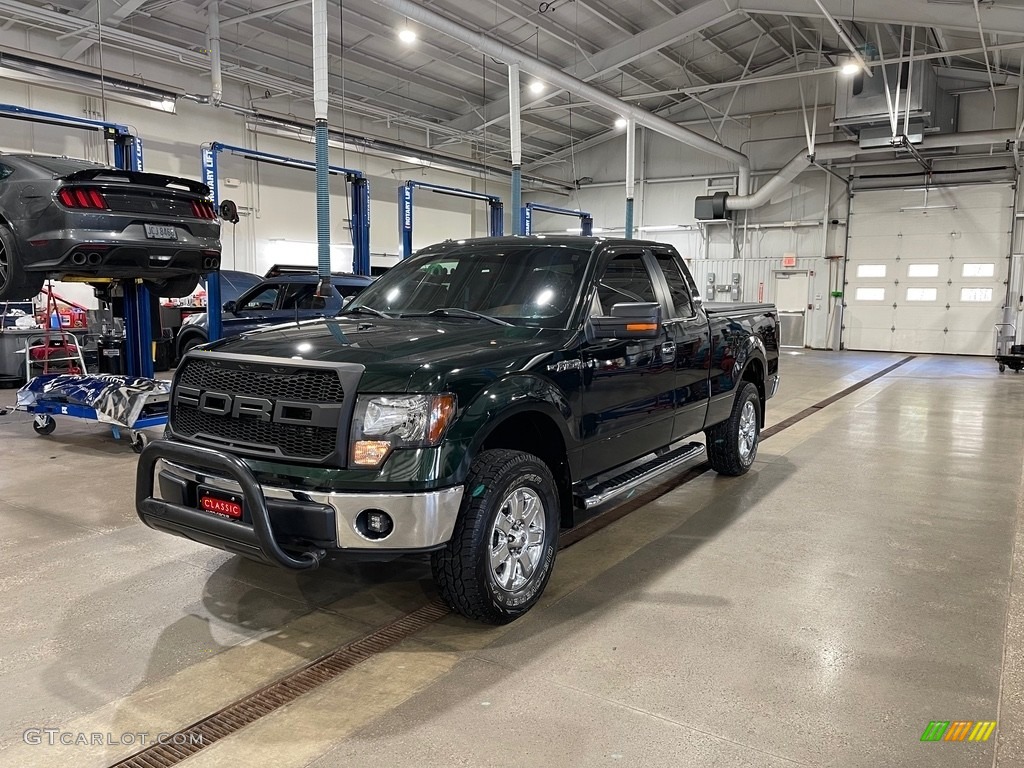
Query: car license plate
point(220, 503)
point(161, 232)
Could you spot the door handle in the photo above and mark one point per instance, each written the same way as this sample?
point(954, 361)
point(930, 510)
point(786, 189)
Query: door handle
point(668, 351)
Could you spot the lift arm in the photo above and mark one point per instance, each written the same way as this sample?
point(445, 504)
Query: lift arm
point(360, 210)
point(526, 217)
point(405, 201)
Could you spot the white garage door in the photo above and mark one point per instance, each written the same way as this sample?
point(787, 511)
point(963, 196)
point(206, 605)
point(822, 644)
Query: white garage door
point(927, 279)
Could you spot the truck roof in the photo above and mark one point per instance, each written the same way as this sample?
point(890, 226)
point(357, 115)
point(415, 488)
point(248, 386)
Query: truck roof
point(578, 241)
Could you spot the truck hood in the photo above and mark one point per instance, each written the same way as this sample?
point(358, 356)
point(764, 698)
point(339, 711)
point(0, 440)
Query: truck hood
point(410, 354)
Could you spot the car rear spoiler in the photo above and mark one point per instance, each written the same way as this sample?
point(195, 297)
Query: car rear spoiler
point(138, 177)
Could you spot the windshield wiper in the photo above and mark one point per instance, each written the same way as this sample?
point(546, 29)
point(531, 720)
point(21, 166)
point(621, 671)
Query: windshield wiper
point(456, 312)
point(367, 310)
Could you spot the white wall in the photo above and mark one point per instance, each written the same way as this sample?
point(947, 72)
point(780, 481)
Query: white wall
point(671, 175)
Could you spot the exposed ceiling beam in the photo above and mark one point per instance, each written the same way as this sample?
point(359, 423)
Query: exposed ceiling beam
point(997, 18)
point(274, 9)
point(615, 57)
point(111, 20)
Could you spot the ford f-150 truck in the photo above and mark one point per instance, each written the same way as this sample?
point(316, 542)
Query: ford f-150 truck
point(471, 402)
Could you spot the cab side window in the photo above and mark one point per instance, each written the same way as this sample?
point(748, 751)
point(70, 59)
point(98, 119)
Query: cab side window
point(625, 280)
point(262, 301)
point(678, 288)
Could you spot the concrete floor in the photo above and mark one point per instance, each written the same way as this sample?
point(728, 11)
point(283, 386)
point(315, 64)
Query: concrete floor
point(865, 578)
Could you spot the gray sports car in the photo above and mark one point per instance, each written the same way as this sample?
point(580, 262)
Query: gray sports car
point(61, 218)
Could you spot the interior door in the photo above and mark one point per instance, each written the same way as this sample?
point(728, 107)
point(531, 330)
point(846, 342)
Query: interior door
point(791, 301)
point(628, 396)
point(689, 330)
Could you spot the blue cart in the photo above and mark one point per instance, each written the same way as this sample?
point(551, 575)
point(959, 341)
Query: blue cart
point(94, 398)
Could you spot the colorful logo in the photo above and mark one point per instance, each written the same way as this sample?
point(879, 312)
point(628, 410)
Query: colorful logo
point(958, 730)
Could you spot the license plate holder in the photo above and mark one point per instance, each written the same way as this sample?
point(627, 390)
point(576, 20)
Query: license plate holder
point(160, 232)
point(214, 501)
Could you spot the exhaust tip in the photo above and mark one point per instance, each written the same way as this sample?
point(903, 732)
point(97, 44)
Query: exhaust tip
point(211, 263)
point(78, 258)
point(95, 259)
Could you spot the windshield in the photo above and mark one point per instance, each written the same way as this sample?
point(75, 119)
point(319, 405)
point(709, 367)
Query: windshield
point(533, 285)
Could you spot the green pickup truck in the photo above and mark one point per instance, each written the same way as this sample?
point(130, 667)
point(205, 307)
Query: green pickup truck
point(470, 403)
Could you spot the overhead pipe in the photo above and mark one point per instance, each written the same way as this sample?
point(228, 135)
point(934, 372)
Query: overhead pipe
point(845, 38)
point(216, 78)
point(516, 134)
point(630, 175)
point(583, 90)
point(842, 150)
point(320, 105)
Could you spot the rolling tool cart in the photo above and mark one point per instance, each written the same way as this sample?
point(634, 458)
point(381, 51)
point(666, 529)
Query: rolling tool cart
point(1008, 353)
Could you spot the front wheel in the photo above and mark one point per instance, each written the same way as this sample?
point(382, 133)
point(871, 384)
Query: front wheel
point(502, 550)
point(732, 445)
point(15, 283)
point(44, 424)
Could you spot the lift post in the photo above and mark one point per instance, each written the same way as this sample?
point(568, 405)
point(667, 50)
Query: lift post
point(360, 211)
point(496, 223)
point(138, 329)
point(526, 217)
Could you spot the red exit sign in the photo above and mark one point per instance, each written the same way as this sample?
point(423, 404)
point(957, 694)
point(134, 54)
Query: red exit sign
point(789, 259)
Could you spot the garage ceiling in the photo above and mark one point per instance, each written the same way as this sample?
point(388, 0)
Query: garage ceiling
point(677, 58)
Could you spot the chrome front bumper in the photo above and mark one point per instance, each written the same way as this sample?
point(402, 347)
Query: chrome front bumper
point(169, 474)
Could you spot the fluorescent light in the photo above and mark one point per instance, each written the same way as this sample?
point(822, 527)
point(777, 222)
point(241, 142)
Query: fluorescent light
point(537, 87)
point(850, 68)
point(407, 35)
point(661, 228)
point(621, 123)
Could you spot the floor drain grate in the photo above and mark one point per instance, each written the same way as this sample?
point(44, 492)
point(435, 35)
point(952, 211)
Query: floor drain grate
point(188, 741)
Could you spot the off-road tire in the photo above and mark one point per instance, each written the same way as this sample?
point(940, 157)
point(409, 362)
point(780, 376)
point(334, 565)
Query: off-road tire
point(725, 441)
point(463, 571)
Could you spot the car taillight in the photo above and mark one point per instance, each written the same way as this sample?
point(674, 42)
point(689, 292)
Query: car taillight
point(82, 197)
point(203, 209)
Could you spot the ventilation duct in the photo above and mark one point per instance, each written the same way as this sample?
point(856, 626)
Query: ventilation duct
point(721, 204)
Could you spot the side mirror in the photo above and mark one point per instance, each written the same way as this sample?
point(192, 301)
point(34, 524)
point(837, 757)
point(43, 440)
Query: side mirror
point(640, 320)
point(230, 306)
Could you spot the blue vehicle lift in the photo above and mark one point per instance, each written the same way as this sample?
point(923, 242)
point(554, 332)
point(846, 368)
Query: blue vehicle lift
point(360, 211)
point(526, 217)
point(494, 204)
point(138, 327)
point(127, 156)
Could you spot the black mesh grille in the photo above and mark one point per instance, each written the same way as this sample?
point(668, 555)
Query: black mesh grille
point(293, 384)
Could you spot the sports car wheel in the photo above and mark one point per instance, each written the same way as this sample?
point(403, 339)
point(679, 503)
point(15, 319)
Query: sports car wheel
point(14, 283)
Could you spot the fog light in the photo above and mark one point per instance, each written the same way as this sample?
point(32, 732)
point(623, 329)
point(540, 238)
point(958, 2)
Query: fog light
point(370, 453)
point(374, 524)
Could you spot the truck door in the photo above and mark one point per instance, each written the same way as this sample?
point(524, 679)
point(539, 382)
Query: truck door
point(628, 384)
point(688, 328)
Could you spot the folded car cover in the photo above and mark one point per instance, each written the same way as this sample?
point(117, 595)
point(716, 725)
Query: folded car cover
point(116, 399)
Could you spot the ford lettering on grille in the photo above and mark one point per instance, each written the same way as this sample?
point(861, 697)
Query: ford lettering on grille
point(261, 409)
point(242, 406)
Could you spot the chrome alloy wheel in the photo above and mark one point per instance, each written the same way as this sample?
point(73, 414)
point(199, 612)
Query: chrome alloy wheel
point(517, 538)
point(748, 431)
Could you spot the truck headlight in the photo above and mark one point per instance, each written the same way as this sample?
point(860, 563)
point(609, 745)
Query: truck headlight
point(384, 422)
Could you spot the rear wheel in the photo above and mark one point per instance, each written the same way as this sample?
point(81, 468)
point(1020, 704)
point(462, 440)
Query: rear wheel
point(502, 550)
point(15, 284)
point(732, 445)
point(173, 287)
